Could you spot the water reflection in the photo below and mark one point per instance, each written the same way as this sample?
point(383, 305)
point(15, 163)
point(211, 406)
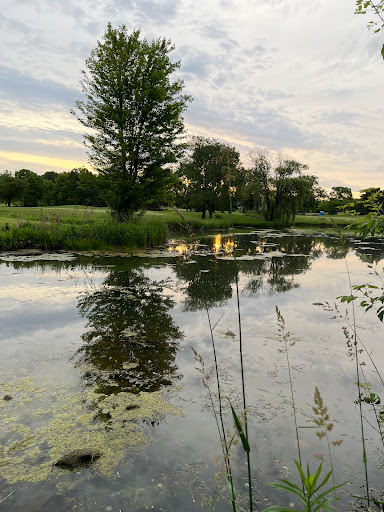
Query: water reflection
point(130, 342)
point(270, 267)
point(271, 261)
point(129, 347)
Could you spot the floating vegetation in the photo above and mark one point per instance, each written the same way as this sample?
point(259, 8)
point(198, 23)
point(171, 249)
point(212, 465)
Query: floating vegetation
point(36, 448)
point(26, 257)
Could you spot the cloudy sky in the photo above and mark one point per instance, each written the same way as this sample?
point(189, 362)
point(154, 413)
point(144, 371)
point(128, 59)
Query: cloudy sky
point(300, 78)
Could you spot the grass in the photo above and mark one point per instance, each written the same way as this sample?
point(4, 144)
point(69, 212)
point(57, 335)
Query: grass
point(330, 221)
point(250, 219)
point(92, 235)
point(73, 227)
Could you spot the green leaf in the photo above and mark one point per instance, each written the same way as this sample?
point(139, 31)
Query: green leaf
point(347, 298)
point(239, 428)
point(327, 476)
point(290, 484)
point(298, 492)
point(232, 491)
point(370, 499)
point(328, 491)
point(317, 475)
point(302, 476)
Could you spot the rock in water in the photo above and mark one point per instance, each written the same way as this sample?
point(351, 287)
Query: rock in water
point(77, 459)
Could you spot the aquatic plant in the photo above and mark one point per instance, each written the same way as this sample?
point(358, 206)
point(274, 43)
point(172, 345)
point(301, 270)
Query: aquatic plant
point(307, 494)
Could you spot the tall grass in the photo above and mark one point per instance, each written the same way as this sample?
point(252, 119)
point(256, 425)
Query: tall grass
point(95, 235)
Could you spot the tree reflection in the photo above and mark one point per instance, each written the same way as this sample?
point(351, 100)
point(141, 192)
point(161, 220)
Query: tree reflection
point(211, 279)
point(209, 282)
point(130, 343)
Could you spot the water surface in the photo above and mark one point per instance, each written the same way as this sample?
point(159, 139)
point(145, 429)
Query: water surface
point(96, 353)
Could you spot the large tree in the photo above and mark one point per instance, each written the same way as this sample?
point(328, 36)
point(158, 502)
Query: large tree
point(134, 112)
point(209, 171)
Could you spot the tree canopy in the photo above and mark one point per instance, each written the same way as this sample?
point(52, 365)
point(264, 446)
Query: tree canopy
point(12, 188)
point(207, 171)
point(281, 187)
point(134, 112)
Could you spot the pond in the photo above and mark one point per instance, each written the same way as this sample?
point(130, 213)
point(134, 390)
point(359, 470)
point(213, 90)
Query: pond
point(97, 365)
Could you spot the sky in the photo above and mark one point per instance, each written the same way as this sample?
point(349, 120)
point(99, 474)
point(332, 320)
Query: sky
point(301, 79)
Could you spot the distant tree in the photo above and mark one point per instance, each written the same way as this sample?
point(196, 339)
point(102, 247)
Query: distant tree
point(34, 193)
point(90, 191)
point(11, 188)
point(377, 8)
point(371, 200)
point(282, 187)
point(207, 172)
point(341, 193)
point(253, 193)
point(49, 179)
point(50, 176)
point(134, 112)
point(79, 186)
point(337, 200)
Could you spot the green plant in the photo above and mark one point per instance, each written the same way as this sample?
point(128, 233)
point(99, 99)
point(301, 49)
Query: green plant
point(307, 494)
point(285, 337)
point(322, 420)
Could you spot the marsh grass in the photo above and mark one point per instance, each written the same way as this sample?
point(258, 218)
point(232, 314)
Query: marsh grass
point(95, 235)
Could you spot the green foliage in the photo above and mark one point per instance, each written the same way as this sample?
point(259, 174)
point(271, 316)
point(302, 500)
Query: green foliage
point(84, 236)
point(209, 173)
point(79, 186)
point(341, 193)
point(12, 188)
point(35, 187)
point(279, 190)
point(307, 494)
point(239, 428)
point(135, 113)
point(369, 300)
point(370, 225)
point(364, 6)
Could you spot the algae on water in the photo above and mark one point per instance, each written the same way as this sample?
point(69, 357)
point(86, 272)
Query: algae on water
point(34, 439)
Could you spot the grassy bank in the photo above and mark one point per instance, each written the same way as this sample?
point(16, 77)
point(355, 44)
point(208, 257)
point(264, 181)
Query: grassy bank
point(68, 229)
point(82, 228)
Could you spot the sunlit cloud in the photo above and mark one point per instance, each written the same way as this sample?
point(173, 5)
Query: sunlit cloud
point(8, 158)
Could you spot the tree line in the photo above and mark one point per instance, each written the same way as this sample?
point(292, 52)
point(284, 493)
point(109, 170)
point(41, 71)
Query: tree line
point(208, 178)
point(26, 188)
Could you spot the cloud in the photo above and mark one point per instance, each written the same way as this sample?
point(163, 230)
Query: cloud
point(143, 11)
point(28, 90)
point(340, 117)
point(195, 62)
point(287, 75)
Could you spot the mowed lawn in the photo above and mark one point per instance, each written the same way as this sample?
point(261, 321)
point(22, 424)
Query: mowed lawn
point(73, 214)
